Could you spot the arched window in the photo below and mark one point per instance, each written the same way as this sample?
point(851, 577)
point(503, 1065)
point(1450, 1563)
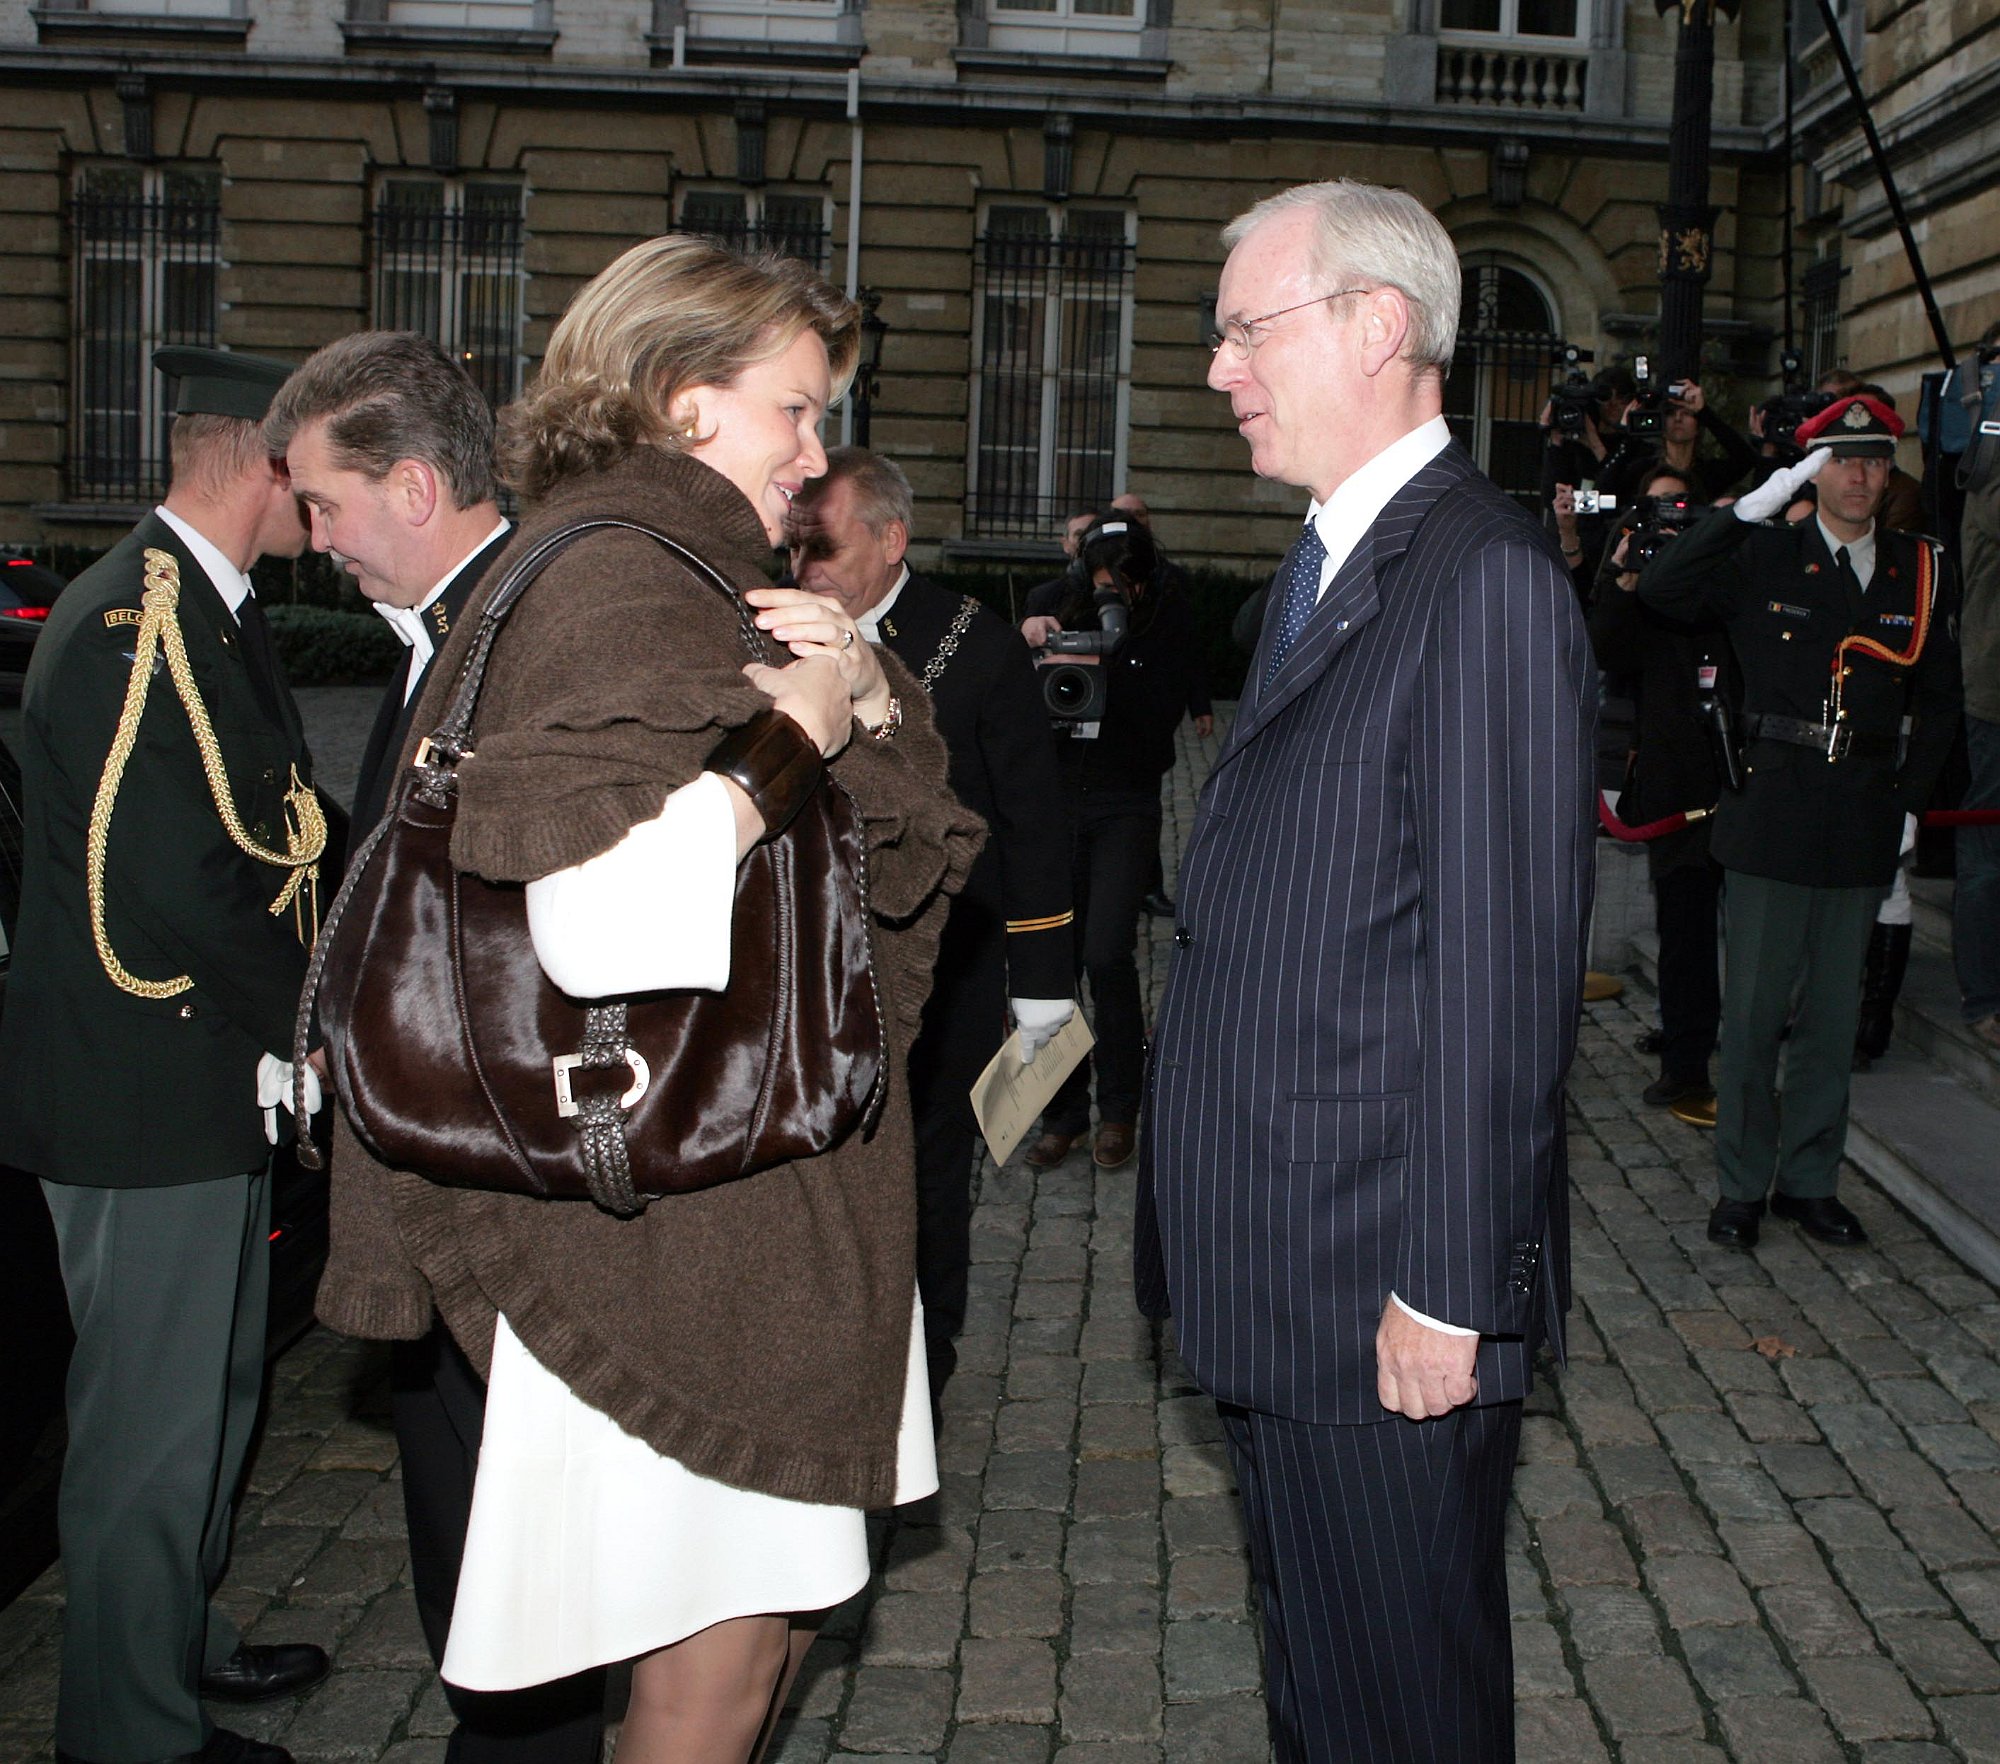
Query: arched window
point(1501, 372)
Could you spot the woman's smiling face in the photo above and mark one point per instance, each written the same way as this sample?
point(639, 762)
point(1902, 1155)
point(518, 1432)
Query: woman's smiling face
point(761, 431)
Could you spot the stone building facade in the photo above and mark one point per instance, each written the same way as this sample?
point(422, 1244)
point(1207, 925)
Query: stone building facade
point(1931, 73)
point(1034, 188)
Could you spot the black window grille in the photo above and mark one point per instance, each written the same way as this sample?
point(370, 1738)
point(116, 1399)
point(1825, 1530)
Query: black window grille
point(742, 220)
point(1053, 316)
point(1820, 287)
point(1501, 372)
point(447, 264)
point(147, 249)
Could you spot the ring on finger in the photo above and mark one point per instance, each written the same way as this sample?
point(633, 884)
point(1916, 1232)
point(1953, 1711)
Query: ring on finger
point(847, 638)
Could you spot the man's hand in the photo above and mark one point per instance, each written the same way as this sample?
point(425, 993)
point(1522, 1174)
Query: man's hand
point(1037, 629)
point(1691, 397)
point(1419, 1371)
point(1776, 491)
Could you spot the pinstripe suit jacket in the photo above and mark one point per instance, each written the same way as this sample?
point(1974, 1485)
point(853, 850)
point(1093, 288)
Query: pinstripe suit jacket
point(1357, 1080)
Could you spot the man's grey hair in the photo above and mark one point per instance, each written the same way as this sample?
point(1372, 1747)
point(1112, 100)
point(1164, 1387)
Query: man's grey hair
point(881, 491)
point(1366, 234)
point(390, 395)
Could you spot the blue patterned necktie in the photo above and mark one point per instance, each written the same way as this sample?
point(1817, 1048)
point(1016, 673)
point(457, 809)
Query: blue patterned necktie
point(1302, 570)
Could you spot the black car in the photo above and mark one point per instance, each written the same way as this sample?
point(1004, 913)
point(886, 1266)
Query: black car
point(27, 591)
point(34, 1317)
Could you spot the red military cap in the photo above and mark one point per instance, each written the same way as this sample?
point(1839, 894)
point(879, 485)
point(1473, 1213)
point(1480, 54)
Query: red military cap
point(1860, 425)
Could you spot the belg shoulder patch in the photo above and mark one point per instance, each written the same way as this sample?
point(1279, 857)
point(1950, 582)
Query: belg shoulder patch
point(121, 615)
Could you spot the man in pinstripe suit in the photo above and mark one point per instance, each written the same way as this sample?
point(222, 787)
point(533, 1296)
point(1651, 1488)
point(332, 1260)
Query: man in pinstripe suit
point(1352, 1193)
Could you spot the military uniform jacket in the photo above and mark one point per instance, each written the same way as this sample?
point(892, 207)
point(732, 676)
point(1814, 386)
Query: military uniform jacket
point(1003, 767)
point(97, 1086)
point(1801, 818)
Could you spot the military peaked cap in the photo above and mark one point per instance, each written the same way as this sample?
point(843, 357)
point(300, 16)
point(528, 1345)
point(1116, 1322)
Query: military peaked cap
point(221, 382)
point(1860, 425)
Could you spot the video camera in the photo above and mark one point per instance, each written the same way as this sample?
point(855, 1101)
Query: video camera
point(1660, 518)
point(1793, 406)
point(1646, 415)
point(1071, 663)
point(1573, 399)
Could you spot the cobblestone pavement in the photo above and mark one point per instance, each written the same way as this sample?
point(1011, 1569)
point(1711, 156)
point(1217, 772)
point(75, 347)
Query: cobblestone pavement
point(1755, 1518)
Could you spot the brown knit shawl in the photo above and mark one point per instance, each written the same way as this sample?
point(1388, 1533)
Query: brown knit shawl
point(757, 1332)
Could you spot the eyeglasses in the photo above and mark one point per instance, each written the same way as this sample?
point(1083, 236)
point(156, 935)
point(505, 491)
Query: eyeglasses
point(1242, 335)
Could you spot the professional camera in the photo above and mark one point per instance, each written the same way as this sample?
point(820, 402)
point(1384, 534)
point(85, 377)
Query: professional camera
point(1646, 415)
point(1074, 689)
point(1793, 406)
point(1573, 400)
point(1660, 518)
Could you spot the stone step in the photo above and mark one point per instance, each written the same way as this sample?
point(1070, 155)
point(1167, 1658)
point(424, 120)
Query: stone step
point(1926, 1132)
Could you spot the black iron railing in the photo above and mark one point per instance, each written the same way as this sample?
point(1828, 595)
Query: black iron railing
point(1051, 316)
point(1493, 399)
point(1820, 286)
point(452, 272)
point(146, 251)
point(790, 226)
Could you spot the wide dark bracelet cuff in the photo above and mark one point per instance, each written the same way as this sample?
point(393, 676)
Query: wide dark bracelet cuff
point(774, 762)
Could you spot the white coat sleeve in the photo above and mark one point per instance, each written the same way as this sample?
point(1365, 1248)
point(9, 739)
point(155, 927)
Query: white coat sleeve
point(652, 913)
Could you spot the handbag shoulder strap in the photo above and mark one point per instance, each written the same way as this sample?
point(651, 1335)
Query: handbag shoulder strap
point(451, 740)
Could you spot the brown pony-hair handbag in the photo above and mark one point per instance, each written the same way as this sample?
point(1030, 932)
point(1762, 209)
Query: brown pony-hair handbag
point(453, 1054)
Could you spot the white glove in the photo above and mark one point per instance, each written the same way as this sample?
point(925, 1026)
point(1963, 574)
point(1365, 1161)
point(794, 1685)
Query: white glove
point(1778, 491)
point(1909, 836)
point(274, 1087)
point(1039, 1020)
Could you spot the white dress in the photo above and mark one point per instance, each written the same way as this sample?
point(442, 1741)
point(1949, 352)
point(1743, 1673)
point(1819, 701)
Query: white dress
point(585, 1545)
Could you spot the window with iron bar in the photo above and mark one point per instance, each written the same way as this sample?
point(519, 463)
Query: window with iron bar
point(447, 264)
point(1820, 286)
point(147, 251)
point(1052, 340)
point(791, 223)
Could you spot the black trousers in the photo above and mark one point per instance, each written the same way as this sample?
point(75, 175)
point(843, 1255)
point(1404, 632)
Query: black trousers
point(1117, 846)
point(439, 1404)
point(965, 1021)
point(1377, 1556)
point(1687, 902)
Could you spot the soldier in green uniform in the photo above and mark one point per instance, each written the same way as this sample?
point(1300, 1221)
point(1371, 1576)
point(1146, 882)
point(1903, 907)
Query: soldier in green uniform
point(1847, 638)
point(173, 844)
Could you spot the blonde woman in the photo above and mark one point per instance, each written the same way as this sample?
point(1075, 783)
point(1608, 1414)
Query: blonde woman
point(688, 1411)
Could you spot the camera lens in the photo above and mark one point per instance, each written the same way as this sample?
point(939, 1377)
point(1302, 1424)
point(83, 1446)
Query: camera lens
point(1066, 690)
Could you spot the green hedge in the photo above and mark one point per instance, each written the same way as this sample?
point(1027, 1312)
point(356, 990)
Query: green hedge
point(322, 647)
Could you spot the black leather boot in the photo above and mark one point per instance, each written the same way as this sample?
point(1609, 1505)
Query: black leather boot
point(1881, 981)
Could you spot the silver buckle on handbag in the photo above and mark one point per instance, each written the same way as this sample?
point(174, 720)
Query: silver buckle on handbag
point(564, 1064)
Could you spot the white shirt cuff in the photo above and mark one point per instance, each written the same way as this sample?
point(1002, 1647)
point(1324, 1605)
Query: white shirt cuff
point(651, 914)
point(1429, 1322)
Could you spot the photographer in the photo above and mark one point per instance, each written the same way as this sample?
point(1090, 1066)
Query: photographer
point(1683, 672)
point(1684, 417)
point(1111, 765)
point(1584, 445)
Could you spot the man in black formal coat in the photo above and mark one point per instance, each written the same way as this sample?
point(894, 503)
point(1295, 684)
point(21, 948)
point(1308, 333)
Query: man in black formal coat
point(1007, 940)
point(1847, 635)
point(1351, 1188)
point(153, 986)
point(391, 451)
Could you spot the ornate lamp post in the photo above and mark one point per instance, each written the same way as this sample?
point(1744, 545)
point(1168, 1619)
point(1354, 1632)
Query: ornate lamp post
point(867, 371)
point(1687, 220)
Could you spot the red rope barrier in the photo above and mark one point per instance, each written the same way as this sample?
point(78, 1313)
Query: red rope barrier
point(1607, 818)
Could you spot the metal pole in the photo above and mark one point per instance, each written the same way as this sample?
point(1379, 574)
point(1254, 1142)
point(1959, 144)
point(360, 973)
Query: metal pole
point(1791, 171)
point(1687, 221)
point(1881, 158)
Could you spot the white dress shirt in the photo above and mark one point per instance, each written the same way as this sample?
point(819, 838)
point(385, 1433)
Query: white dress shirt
point(869, 624)
point(1860, 552)
point(230, 582)
point(1354, 507)
point(414, 630)
point(1343, 519)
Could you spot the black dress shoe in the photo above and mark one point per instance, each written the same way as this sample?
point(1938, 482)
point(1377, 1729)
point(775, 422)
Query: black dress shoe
point(253, 1674)
point(1824, 1218)
point(1664, 1092)
point(1735, 1222)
